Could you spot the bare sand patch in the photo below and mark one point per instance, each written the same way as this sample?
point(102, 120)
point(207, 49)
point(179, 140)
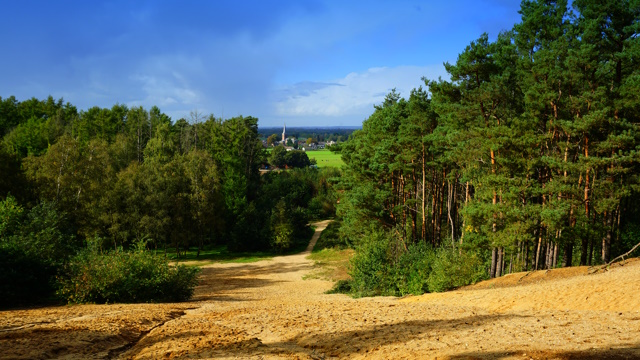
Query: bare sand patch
point(265, 310)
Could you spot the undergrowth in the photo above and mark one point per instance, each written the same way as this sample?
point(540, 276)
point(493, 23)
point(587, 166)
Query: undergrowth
point(381, 267)
point(124, 277)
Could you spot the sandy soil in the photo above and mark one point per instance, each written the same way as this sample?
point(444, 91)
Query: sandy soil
point(265, 310)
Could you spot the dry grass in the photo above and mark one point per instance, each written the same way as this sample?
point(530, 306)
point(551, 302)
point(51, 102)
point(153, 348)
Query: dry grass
point(330, 264)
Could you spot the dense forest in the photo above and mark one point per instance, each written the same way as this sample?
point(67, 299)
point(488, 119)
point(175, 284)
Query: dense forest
point(528, 158)
point(113, 179)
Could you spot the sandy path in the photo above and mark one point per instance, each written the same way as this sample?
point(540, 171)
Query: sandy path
point(265, 310)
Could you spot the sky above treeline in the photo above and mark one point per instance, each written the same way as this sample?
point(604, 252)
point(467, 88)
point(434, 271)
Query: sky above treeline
point(306, 63)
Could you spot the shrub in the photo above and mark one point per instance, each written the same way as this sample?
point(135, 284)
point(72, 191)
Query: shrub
point(413, 268)
point(120, 276)
point(341, 287)
point(282, 237)
point(371, 267)
point(454, 268)
point(322, 207)
point(302, 232)
point(289, 228)
point(375, 270)
point(33, 245)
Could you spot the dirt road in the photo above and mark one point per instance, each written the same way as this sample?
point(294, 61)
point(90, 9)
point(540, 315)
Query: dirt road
point(266, 310)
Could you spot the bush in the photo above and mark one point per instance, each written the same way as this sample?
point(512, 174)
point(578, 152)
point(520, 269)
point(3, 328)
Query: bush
point(341, 287)
point(282, 237)
point(322, 207)
point(413, 268)
point(124, 277)
point(33, 245)
point(454, 268)
point(376, 270)
point(371, 267)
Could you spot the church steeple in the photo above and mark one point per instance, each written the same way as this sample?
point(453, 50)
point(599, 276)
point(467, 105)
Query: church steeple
point(284, 130)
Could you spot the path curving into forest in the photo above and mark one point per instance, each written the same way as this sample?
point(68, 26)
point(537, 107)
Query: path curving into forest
point(269, 310)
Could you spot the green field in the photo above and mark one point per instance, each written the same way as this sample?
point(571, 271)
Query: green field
point(325, 158)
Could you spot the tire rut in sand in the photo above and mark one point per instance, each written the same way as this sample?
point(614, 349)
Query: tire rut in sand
point(133, 340)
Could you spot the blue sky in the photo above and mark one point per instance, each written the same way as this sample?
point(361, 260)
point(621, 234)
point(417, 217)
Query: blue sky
point(306, 63)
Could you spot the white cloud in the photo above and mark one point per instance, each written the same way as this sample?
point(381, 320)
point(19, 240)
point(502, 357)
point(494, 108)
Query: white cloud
point(355, 94)
point(163, 91)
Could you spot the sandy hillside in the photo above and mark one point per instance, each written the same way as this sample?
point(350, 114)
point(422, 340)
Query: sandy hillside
point(265, 310)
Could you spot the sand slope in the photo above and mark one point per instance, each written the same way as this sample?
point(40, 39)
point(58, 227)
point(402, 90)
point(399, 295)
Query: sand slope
point(264, 310)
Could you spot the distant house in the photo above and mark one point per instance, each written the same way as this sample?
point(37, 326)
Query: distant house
point(289, 148)
point(312, 146)
point(329, 143)
point(320, 145)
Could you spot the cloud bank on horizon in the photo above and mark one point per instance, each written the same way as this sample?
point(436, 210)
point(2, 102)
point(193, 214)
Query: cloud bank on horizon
point(311, 63)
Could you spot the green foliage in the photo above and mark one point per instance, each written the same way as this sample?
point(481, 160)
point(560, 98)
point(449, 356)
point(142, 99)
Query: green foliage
point(295, 187)
point(341, 287)
point(272, 139)
point(124, 277)
point(277, 157)
point(252, 231)
point(380, 268)
point(371, 267)
point(30, 126)
point(282, 228)
point(322, 206)
point(41, 232)
point(453, 268)
point(11, 214)
point(413, 269)
point(530, 148)
point(628, 239)
point(531, 145)
point(296, 159)
point(34, 244)
point(289, 227)
point(29, 138)
point(13, 180)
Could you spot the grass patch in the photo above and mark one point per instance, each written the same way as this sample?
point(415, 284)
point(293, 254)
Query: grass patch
point(330, 264)
point(326, 158)
point(221, 254)
point(330, 255)
point(330, 238)
point(213, 254)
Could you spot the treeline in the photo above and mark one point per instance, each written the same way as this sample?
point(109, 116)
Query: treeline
point(337, 134)
point(527, 158)
point(124, 176)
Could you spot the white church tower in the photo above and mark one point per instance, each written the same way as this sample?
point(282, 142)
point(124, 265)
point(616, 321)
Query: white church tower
point(284, 139)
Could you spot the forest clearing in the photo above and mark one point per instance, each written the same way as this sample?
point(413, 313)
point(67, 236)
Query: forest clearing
point(266, 310)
